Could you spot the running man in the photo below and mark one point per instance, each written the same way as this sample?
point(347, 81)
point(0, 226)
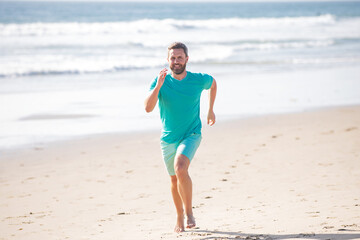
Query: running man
point(179, 103)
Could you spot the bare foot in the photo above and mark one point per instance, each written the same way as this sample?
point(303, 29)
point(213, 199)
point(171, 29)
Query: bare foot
point(190, 221)
point(179, 227)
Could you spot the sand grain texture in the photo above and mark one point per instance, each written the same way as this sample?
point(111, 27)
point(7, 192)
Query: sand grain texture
point(291, 176)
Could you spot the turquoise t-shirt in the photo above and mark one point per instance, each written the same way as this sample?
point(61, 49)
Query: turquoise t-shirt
point(179, 104)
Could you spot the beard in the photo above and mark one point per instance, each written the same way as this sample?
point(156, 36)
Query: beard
point(179, 69)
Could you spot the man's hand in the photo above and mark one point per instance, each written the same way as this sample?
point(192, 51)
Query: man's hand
point(212, 96)
point(211, 118)
point(151, 100)
point(161, 78)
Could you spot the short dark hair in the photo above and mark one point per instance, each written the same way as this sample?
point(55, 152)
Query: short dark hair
point(178, 45)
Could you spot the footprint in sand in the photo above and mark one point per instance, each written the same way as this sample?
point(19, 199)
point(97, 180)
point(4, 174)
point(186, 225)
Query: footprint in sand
point(328, 132)
point(313, 212)
point(198, 206)
point(30, 178)
point(203, 234)
point(122, 213)
point(350, 129)
point(351, 226)
point(25, 195)
point(325, 164)
point(28, 222)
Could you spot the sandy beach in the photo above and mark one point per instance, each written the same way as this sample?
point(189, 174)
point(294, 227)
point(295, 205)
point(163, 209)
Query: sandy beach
point(289, 176)
point(80, 159)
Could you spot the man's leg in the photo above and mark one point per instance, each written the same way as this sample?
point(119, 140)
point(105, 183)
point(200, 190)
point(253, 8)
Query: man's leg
point(184, 186)
point(169, 153)
point(179, 227)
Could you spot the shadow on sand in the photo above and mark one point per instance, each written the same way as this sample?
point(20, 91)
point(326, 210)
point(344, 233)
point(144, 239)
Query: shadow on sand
point(221, 235)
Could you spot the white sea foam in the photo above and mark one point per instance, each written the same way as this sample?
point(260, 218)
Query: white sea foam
point(77, 48)
point(164, 25)
point(146, 32)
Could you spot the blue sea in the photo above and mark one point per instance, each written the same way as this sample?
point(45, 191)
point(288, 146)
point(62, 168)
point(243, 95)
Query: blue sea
point(51, 38)
point(71, 69)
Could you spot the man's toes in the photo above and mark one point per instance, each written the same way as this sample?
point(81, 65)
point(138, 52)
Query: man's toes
point(179, 229)
point(191, 223)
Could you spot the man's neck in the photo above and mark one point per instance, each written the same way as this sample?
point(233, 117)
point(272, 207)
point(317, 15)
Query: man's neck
point(180, 76)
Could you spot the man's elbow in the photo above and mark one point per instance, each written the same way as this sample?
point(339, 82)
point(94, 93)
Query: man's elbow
point(213, 85)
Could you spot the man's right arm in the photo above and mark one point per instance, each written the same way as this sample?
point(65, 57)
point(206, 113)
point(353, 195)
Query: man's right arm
point(151, 100)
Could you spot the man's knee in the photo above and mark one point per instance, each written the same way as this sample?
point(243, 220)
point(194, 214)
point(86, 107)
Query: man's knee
point(173, 180)
point(181, 166)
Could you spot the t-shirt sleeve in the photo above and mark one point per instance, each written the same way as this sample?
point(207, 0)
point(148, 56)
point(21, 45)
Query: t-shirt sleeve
point(153, 84)
point(208, 80)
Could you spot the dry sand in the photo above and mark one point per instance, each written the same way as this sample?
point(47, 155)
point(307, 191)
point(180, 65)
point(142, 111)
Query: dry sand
point(291, 176)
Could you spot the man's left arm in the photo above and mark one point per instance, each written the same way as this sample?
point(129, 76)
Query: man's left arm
point(212, 96)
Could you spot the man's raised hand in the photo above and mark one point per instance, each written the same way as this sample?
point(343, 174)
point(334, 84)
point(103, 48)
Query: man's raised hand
point(161, 78)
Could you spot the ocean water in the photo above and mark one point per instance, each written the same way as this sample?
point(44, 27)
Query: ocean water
point(46, 38)
point(76, 68)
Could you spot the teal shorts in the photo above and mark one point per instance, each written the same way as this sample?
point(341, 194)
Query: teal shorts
point(187, 147)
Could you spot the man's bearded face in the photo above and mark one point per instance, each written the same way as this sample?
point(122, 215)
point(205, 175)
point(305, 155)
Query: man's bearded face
point(178, 68)
point(177, 61)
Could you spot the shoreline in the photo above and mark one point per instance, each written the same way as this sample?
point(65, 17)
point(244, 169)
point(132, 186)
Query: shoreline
point(271, 177)
point(152, 131)
point(59, 112)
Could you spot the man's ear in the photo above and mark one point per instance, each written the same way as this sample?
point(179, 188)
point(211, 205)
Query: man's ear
point(187, 59)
